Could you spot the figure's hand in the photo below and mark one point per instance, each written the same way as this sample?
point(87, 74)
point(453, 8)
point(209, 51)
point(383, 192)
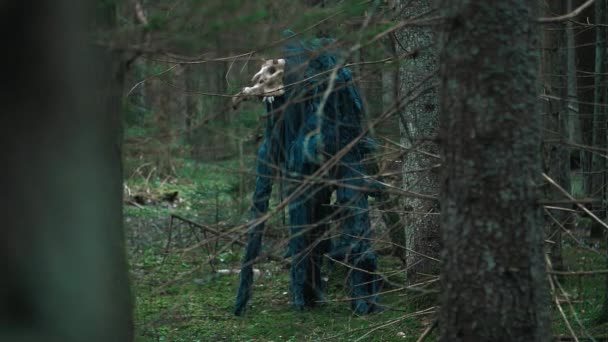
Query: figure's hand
point(269, 99)
point(313, 147)
point(237, 99)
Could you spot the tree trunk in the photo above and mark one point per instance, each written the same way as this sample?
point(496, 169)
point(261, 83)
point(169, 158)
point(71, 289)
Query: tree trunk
point(575, 122)
point(192, 103)
point(63, 259)
point(585, 55)
point(162, 119)
point(599, 99)
point(600, 123)
point(418, 131)
point(493, 271)
point(390, 95)
point(179, 97)
point(556, 161)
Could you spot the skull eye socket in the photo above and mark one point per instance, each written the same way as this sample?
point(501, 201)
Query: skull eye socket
point(261, 82)
point(272, 70)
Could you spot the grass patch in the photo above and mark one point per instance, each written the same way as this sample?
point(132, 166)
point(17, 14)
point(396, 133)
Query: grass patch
point(584, 294)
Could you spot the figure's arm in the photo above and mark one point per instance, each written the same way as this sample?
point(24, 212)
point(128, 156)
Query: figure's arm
point(312, 144)
point(263, 183)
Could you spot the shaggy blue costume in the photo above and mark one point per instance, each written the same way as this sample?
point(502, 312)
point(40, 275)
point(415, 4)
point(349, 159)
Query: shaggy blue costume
point(299, 136)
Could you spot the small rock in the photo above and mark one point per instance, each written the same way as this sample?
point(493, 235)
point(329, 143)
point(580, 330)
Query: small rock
point(256, 272)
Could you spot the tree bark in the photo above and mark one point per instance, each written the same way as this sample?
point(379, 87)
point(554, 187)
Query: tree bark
point(493, 271)
point(63, 260)
point(418, 124)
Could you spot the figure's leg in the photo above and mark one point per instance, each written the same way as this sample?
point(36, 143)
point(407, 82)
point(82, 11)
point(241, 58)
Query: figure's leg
point(364, 283)
point(299, 218)
point(306, 213)
point(299, 215)
point(355, 244)
point(320, 243)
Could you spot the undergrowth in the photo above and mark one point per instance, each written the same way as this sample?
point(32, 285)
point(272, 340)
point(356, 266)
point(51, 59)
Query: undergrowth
point(181, 296)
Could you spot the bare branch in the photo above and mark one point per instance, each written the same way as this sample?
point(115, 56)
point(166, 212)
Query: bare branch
point(140, 15)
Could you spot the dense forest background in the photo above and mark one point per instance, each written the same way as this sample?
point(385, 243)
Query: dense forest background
point(132, 173)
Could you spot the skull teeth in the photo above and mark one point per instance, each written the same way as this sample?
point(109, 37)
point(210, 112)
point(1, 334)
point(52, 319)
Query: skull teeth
point(268, 80)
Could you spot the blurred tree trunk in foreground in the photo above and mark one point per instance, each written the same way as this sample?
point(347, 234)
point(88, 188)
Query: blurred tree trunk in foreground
point(493, 271)
point(64, 273)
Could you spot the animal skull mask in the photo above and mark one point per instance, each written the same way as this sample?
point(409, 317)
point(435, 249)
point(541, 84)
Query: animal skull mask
point(267, 83)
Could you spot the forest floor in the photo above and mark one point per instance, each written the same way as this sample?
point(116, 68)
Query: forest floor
point(181, 294)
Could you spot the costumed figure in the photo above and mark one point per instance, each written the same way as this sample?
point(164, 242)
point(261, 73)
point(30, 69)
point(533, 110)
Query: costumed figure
point(306, 126)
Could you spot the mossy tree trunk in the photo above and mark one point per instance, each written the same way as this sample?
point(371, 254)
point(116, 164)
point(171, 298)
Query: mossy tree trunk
point(418, 123)
point(493, 271)
point(64, 273)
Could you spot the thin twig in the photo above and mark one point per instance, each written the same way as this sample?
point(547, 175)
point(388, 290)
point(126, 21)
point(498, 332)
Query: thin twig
point(579, 272)
point(567, 16)
point(428, 331)
point(558, 304)
point(149, 78)
point(558, 187)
